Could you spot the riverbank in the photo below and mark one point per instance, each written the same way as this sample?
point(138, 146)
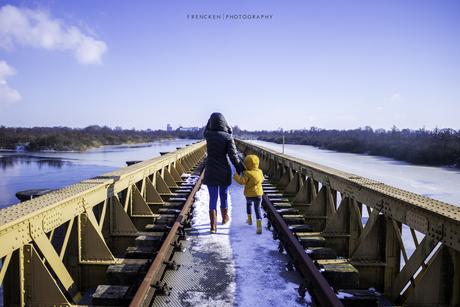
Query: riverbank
point(422, 147)
point(64, 139)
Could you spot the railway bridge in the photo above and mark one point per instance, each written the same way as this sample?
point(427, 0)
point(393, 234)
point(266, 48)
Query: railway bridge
point(110, 239)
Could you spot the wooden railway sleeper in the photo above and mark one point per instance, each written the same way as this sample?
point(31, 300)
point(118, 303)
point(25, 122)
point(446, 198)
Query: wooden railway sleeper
point(151, 246)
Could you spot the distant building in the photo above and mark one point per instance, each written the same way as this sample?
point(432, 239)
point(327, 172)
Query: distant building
point(168, 127)
point(188, 128)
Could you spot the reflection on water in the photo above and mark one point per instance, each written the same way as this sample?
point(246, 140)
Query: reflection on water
point(14, 160)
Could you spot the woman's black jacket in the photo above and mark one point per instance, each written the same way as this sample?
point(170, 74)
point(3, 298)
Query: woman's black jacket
point(220, 146)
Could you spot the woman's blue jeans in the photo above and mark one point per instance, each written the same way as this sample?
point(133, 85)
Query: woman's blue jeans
point(218, 191)
point(256, 201)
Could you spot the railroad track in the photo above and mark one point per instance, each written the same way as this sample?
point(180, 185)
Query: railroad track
point(329, 280)
point(136, 279)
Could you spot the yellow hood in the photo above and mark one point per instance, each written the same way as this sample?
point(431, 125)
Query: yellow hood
point(251, 162)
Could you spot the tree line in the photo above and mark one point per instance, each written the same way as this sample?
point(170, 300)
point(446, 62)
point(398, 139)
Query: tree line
point(81, 139)
point(439, 147)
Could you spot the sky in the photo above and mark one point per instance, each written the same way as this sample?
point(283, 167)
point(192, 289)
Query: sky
point(293, 64)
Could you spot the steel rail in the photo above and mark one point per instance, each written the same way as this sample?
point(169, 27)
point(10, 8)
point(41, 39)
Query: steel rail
point(316, 282)
point(146, 292)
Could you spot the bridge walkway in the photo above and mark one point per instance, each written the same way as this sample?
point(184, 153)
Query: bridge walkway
point(234, 267)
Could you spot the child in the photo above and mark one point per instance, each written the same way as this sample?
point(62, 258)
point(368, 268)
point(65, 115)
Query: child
point(252, 180)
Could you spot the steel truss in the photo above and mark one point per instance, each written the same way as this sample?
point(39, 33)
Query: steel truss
point(57, 246)
point(332, 202)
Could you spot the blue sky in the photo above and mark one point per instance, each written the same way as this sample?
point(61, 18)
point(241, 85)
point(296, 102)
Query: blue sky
point(331, 64)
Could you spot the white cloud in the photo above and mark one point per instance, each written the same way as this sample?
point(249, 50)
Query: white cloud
point(379, 108)
point(396, 97)
point(8, 96)
point(36, 28)
point(398, 115)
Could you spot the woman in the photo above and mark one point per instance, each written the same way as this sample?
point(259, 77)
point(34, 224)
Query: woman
point(218, 174)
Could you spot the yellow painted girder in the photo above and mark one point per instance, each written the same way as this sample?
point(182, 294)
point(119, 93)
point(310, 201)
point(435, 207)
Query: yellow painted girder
point(441, 220)
point(57, 208)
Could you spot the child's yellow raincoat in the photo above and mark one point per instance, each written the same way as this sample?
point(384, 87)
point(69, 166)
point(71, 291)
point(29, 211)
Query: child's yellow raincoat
point(252, 177)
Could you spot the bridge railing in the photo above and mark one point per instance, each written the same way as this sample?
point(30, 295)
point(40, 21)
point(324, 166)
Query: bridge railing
point(55, 247)
point(333, 201)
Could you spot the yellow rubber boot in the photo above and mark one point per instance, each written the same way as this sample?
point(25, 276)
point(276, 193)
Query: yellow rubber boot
point(249, 220)
point(259, 227)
